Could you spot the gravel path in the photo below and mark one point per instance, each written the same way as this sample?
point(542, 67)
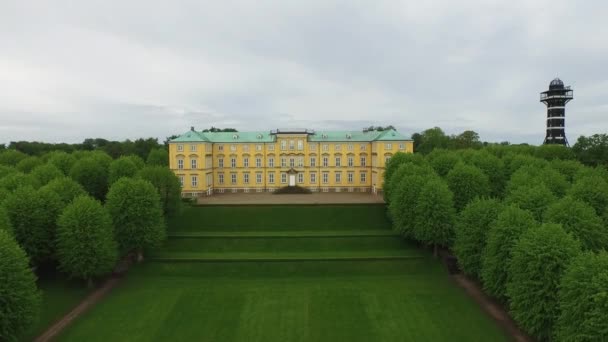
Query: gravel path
point(269, 198)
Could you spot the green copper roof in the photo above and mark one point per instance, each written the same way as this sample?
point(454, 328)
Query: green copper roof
point(266, 137)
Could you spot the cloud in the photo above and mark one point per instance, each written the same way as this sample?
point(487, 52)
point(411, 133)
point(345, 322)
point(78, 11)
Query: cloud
point(121, 70)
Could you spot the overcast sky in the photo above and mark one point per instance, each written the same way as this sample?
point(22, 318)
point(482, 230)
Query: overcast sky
point(127, 69)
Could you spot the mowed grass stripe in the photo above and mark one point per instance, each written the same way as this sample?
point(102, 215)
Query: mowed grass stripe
point(280, 218)
point(281, 234)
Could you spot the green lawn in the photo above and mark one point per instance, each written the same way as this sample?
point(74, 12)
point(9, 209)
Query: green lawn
point(312, 283)
point(59, 296)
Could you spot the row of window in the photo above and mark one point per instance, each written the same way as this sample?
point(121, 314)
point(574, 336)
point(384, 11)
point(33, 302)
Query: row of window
point(293, 162)
point(350, 178)
point(292, 146)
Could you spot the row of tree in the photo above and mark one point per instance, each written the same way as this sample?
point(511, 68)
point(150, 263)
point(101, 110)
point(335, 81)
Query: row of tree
point(533, 231)
point(79, 213)
point(591, 150)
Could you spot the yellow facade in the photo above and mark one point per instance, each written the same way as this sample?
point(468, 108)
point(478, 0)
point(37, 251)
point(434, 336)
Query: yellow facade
point(205, 167)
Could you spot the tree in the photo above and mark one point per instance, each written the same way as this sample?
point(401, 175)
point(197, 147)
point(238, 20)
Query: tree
point(26, 165)
point(466, 139)
point(393, 164)
point(62, 160)
point(568, 168)
point(529, 175)
point(493, 167)
point(467, 182)
point(592, 190)
point(16, 180)
point(472, 226)
point(85, 240)
point(11, 157)
point(535, 198)
point(137, 216)
point(592, 150)
point(158, 156)
point(502, 237)
point(580, 219)
point(66, 188)
point(583, 300)
point(6, 170)
point(514, 161)
point(33, 215)
point(5, 223)
point(431, 139)
point(442, 161)
point(435, 214)
point(553, 152)
point(18, 294)
point(125, 166)
point(92, 174)
point(46, 173)
point(407, 181)
point(540, 258)
point(167, 185)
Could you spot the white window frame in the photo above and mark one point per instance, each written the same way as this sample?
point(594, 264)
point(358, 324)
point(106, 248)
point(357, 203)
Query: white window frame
point(233, 162)
point(300, 178)
point(271, 147)
point(180, 148)
point(246, 162)
point(271, 178)
point(351, 147)
point(292, 162)
point(283, 178)
point(292, 145)
point(180, 164)
point(402, 146)
point(220, 162)
point(338, 161)
point(271, 162)
point(245, 178)
point(325, 147)
point(194, 181)
point(313, 161)
point(193, 147)
point(350, 177)
point(338, 147)
point(193, 163)
point(233, 147)
point(388, 146)
point(220, 178)
point(338, 177)
point(300, 145)
point(325, 177)
point(312, 146)
point(258, 162)
point(325, 162)
point(283, 145)
point(233, 179)
point(220, 147)
point(245, 148)
point(258, 147)
point(258, 178)
point(300, 161)
point(363, 147)
point(363, 177)
point(363, 160)
point(283, 162)
point(181, 180)
point(351, 161)
point(313, 177)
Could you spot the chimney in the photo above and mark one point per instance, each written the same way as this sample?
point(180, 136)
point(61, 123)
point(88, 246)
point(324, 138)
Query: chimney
point(192, 128)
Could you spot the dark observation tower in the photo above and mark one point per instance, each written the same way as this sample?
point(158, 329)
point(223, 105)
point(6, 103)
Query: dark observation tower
point(556, 98)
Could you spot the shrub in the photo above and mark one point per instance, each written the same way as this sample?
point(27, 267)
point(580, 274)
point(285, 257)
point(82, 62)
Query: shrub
point(467, 182)
point(33, 215)
point(502, 237)
point(18, 294)
point(539, 259)
point(46, 173)
point(434, 212)
point(292, 190)
point(580, 219)
point(85, 240)
point(92, 174)
point(134, 206)
point(26, 165)
point(535, 198)
point(167, 185)
point(583, 299)
point(472, 226)
point(66, 188)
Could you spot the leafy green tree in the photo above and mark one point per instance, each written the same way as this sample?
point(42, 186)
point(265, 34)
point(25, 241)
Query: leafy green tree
point(26, 165)
point(585, 172)
point(137, 216)
point(493, 167)
point(86, 248)
point(580, 219)
point(472, 226)
point(11, 157)
point(46, 173)
point(592, 190)
point(126, 166)
point(442, 161)
point(18, 294)
point(3, 194)
point(6, 170)
point(33, 215)
point(5, 223)
point(540, 258)
point(466, 139)
point(17, 180)
point(167, 185)
point(430, 139)
point(514, 161)
point(62, 160)
point(467, 182)
point(408, 181)
point(158, 156)
point(392, 166)
point(92, 174)
point(583, 299)
point(553, 152)
point(592, 150)
point(66, 188)
point(535, 198)
point(435, 214)
point(529, 175)
point(568, 168)
point(501, 238)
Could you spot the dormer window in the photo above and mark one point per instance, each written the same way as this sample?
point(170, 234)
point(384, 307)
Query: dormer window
point(348, 136)
point(235, 136)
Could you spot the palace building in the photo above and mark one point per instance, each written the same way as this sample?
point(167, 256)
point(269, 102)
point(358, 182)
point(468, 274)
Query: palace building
point(337, 161)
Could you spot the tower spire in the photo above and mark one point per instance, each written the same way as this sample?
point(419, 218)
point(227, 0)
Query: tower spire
point(555, 99)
